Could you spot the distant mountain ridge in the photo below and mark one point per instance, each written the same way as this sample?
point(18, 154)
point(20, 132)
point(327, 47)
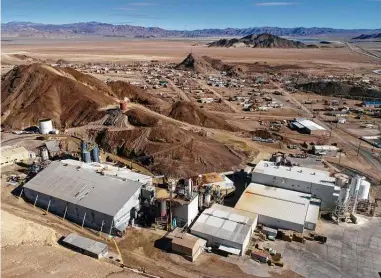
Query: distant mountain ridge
point(369, 36)
point(258, 41)
point(31, 29)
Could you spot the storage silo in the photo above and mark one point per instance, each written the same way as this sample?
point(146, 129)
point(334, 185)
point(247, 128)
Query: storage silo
point(123, 106)
point(86, 157)
point(364, 190)
point(45, 126)
point(95, 154)
point(44, 154)
point(355, 185)
point(83, 146)
point(163, 208)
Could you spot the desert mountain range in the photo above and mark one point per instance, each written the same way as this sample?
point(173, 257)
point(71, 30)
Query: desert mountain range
point(31, 29)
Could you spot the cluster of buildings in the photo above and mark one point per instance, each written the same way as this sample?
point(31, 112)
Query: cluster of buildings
point(109, 199)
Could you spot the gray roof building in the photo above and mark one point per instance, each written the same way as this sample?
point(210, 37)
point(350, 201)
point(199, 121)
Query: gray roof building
point(83, 195)
point(226, 228)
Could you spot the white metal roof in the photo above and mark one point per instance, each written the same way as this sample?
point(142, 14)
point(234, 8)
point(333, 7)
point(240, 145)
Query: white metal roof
point(312, 213)
point(225, 222)
point(84, 188)
point(326, 147)
point(275, 202)
point(309, 124)
point(109, 170)
point(295, 173)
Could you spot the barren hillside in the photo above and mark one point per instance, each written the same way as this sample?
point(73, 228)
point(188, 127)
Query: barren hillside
point(36, 91)
point(190, 113)
point(202, 64)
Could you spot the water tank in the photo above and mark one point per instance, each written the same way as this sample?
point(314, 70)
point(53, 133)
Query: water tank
point(95, 154)
point(86, 157)
point(355, 185)
point(45, 126)
point(83, 146)
point(163, 208)
point(123, 106)
point(44, 154)
point(364, 190)
point(190, 187)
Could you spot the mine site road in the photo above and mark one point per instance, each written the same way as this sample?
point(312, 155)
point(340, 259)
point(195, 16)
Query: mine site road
point(362, 51)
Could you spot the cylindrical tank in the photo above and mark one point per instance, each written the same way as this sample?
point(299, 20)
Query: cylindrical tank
point(83, 146)
point(364, 190)
point(207, 199)
point(86, 157)
point(163, 208)
point(344, 195)
point(123, 106)
point(44, 154)
point(355, 185)
point(95, 154)
point(278, 160)
point(190, 187)
point(45, 126)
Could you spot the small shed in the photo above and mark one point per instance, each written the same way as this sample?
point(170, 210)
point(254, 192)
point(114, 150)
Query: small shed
point(186, 244)
point(85, 245)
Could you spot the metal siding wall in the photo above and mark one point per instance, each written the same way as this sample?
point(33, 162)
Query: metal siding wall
point(279, 224)
point(74, 213)
point(124, 214)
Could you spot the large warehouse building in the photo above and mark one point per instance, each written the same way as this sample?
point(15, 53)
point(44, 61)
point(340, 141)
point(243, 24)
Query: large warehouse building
point(226, 228)
point(280, 208)
point(85, 197)
point(318, 183)
point(307, 126)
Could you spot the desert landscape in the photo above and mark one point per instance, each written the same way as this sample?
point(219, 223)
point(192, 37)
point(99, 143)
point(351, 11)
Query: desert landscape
point(176, 108)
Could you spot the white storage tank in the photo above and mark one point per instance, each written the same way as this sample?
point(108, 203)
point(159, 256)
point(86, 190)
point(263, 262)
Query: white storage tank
point(355, 185)
point(46, 126)
point(364, 190)
point(344, 195)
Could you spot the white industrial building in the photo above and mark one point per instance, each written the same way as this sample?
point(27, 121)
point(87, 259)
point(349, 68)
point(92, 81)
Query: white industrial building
point(225, 228)
point(185, 211)
point(320, 184)
point(280, 208)
point(85, 197)
point(325, 150)
point(307, 126)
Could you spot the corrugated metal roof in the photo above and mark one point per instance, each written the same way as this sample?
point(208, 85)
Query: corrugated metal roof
point(85, 243)
point(110, 170)
point(275, 202)
point(312, 213)
point(295, 173)
point(84, 188)
point(221, 222)
point(309, 124)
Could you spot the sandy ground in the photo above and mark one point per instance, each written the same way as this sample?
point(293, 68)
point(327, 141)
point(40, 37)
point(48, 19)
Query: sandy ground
point(31, 250)
point(176, 50)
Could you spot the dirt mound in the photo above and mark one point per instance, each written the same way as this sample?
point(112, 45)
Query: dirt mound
point(16, 231)
point(190, 113)
point(36, 91)
point(263, 134)
point(138, 117)
point(333, 88)
point(259, 41)
point(123, 89)
point(166, 148)
point(202, 64)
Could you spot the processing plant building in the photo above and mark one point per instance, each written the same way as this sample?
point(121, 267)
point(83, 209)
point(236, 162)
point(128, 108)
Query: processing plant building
point(225, 228)
point(307, 126)
point(101, 202)
point(320, 184)
point(280, 208)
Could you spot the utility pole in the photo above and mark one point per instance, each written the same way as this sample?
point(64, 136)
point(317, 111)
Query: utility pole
point(358, 150)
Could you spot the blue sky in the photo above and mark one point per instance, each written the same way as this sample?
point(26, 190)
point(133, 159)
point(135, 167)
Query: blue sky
point(197, 14)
